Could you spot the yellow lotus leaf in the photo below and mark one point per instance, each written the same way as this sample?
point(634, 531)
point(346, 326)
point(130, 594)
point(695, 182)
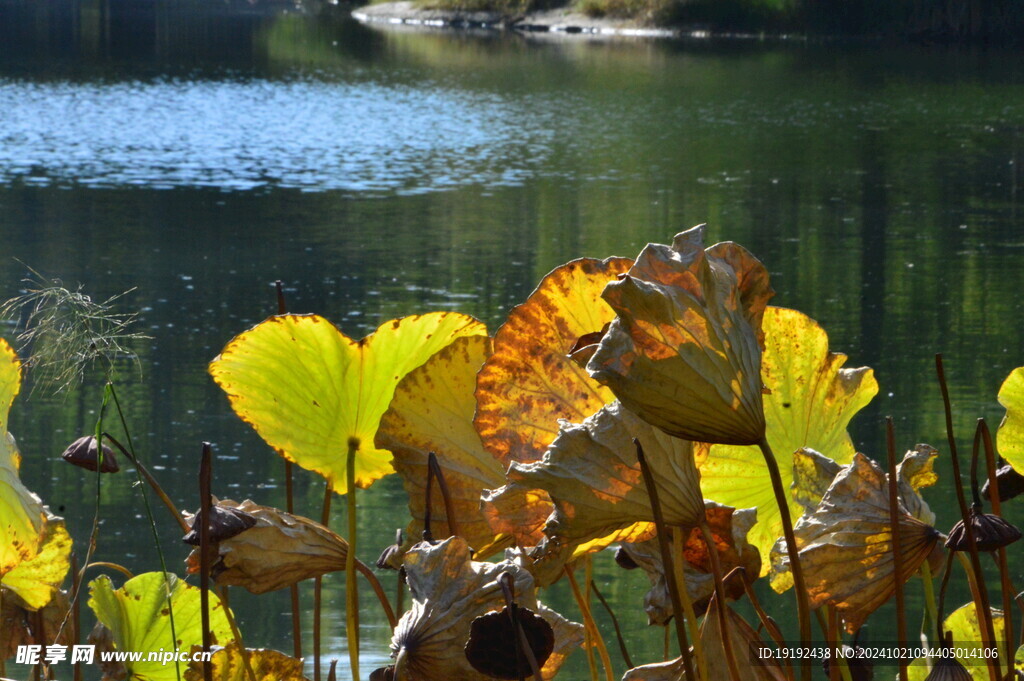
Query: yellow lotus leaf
point(845, 546)
point(432, 411)
point(591, 473)
point(967, 648)
point(684, 351)
point(18, 623)
point(811, 403)
point(36, 580)
point(1010, 437)
point(521, 514)
point(311, 392)
point(228, 665)
point(529, 383)
point(138, 619)
point(281, 549)
point(449, 591)
point(21, 513)
point(743, 640)
point(729, 527)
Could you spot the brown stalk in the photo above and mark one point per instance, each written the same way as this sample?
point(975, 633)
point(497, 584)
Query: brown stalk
point(250, 673)
point(894, 524)
point(205, 505)
point(590, 623)
point(325, 518)
point(666, 559)
point(289, 496)
point(446, 496)
point(615, 623)
point(980, 593)
point(999, 556)
point(148, 477)
point(76, 620)
point(716, 571)
point(803, 605)
point(769, 624)
point(522, 646)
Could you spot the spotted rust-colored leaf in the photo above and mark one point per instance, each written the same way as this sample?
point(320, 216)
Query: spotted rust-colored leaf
point(228, 665)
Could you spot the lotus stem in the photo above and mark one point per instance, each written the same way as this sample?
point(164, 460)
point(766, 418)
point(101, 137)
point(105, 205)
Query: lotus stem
point(930, 606)
point(152, 481)
point(723, 615)
point(107, 564)
point(939, 615)
point(589, 635)
point(75, 616)
point(1006, 582)
point(289, 496)
point(332, 673)
point(615, 623)
point(400, 596)
point(803, 605)
point(769, 624)
point(590, 624)
point(139, 470)
point(894, 525)
point(522, 645)
point(667, 562)
point(980, 593)
point(988, 639)
point(351, 586)
point(205, 506)
point(250, 674)
point(449, 510)
point(378, 589)
point(684, 594)
point(318, 583)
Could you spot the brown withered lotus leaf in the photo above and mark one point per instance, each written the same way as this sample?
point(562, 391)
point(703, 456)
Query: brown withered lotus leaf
point(84, 453)
point(279, 550)
point(546, 561)
point(228, 665)
point(684, 351)
point(1009, 482)
point(18, 623)
point(529, 383)
point(490, 652)
point(591, 473)
point(226, 522)
point(991, 532)
point(432, 411)
point(846, 544)
point(949, 669)
point(449, 591)
point(729, 527)
point(670, 670)
point(103, 639)
point(383, 674)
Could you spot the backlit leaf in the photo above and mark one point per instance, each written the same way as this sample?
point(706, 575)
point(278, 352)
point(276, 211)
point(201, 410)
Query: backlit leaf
point(529, 383)
point(684, 350)
point(963, 624)
point(432, 411)
point(811, 403)
point(267, 665)
point(310, 391)
point(21, 513)
point(36, 580)
point(1010, 437)
point(138, 618)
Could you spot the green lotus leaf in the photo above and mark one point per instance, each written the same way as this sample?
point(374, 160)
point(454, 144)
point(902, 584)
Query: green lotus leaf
point(811, 403)
point(1010, 437)
point(311, 392)
point(21, 513)
point(138, 618)
point(36, 580)
point(963, 624)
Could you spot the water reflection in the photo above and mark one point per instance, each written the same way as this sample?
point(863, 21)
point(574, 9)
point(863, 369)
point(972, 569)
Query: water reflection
point(199, 155)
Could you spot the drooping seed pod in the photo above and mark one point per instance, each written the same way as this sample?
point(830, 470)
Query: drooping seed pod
point(226, 522)
point(391, 557)
point(624, 560)
point(948, 669)
point(84, 453)
point(990, 532)
point(491, 647)
point(1009, 482)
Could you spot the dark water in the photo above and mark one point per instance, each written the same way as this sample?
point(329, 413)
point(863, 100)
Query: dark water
point(198, 152)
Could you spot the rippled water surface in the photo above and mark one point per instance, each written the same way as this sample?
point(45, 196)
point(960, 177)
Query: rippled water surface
point(196, 153)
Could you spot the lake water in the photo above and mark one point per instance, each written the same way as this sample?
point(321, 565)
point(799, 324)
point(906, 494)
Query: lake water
point(197, 152)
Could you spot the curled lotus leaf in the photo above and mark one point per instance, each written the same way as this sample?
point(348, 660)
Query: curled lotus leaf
point(529, 383)
point(228, 665)
point(742, 638)
point(965, 628)
point(449, 590)
point(22, 517)
point(1010, 436)
point(37, 580)
point(138, 617)
point(591, 473)
point(845, 546)
point(684, 351)
point(281, 549)
point(812, 399)
point(18, 623)
point(311, 392)
point(432, 411)
point(729, 527)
